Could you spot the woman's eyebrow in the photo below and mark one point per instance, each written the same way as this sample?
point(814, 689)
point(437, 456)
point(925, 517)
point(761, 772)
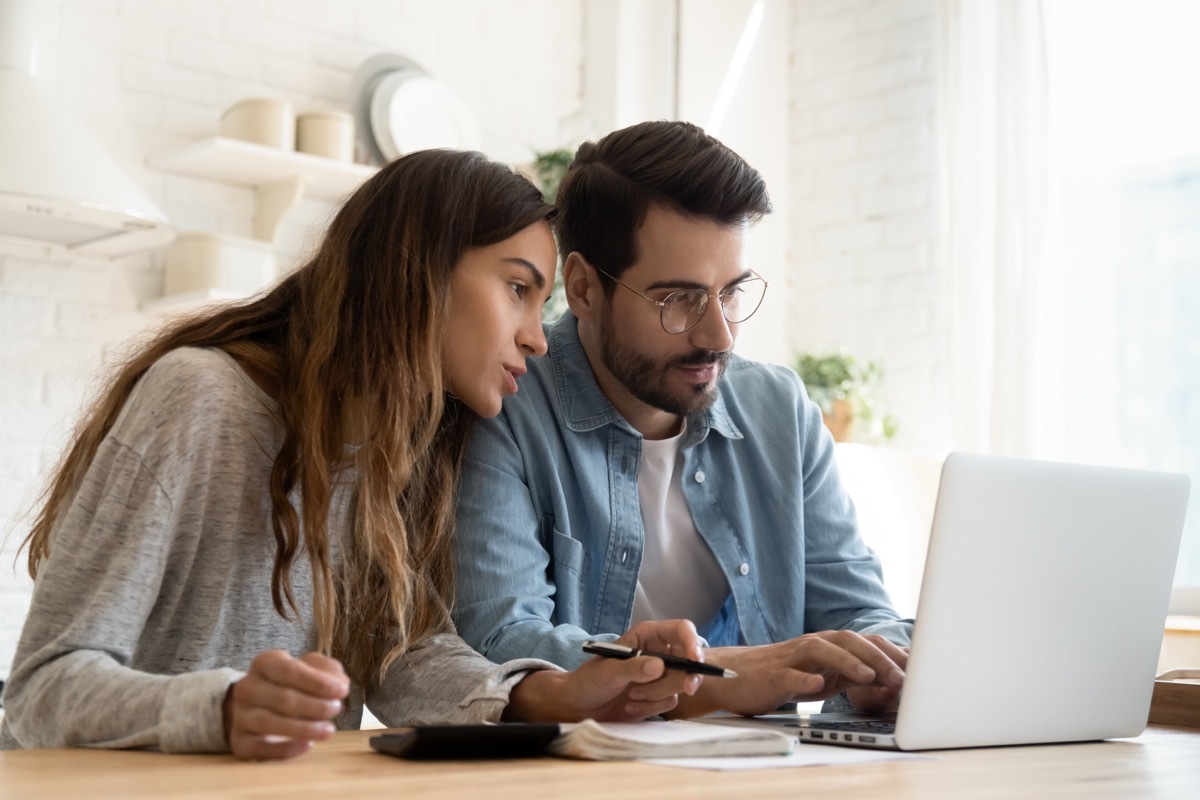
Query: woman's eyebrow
point(539, 279)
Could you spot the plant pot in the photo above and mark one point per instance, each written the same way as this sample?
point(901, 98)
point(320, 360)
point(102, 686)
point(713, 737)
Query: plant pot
point(840, 420)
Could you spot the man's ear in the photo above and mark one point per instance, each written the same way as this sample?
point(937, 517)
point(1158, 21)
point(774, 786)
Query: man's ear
point(581, 283)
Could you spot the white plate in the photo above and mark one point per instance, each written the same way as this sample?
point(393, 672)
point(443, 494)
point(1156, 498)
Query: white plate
point(412, 111)
point(362, 89)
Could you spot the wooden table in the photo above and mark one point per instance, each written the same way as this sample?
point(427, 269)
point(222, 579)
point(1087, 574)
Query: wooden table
point(1162, 763)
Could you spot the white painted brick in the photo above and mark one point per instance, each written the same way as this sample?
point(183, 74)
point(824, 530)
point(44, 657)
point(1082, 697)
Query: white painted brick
point(916, 227)
point(209, 55)
point(848, 238)
point(827, 209)
point(818, 31)
point(39, 279)
point(340, 54)
point(809, 94)
point(17, 460)
point(303, 77)
point(897, 71)
point(141, 75)
point(892, 261)
point(911, 37)
point(190, 120)
point(827, 150)
point(902, 133)
point(854, 115)
point(197, 16)
point(25, 315)
point(313, 15)
point(844, 57)
point(892, 198)
point(269, 36)
point(887, 14)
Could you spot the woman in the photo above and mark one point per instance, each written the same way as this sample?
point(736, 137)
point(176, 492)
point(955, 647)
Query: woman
point(277, 478)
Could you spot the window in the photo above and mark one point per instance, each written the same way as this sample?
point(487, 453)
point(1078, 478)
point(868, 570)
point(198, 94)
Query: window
point(1126, 137)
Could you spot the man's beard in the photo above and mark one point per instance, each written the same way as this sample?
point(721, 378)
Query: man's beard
point(646, 379)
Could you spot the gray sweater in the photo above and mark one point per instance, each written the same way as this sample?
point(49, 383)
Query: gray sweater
point(157, 591)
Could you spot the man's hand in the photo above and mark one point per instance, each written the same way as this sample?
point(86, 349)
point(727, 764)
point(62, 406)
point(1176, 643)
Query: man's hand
point(283, 705)
point(613, 689)
point(814, 666)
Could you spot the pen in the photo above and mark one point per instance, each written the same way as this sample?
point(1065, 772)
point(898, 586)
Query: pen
point(612, 650)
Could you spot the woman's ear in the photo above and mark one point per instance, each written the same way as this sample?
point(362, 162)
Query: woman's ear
point(582, 286)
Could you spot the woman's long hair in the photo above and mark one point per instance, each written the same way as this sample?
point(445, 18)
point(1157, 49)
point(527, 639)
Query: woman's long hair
point(351, 343)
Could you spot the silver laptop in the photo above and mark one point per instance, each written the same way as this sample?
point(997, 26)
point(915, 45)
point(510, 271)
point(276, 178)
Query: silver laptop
point(1041, 611)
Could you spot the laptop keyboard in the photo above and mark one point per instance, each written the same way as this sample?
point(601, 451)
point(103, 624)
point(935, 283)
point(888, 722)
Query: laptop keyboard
point(862, 726)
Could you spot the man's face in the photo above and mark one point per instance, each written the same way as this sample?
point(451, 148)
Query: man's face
point(642, 364)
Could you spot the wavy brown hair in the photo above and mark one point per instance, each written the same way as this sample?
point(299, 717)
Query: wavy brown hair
point(349, 346)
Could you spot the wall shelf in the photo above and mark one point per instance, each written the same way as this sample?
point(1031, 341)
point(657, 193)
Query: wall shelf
point(248, 164)
point(279, 178)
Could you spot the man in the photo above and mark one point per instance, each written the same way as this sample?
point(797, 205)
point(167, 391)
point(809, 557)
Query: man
point(645, 472)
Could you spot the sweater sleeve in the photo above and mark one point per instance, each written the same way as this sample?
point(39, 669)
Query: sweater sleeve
point(71, 682)
point(442, 681)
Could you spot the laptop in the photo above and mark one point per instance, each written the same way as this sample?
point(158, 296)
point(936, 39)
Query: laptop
point(1041, 611)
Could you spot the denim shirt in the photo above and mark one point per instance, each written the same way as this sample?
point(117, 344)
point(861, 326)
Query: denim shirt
point(550, 534)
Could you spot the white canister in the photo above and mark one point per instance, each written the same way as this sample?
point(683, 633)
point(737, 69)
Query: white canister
point(200, 261)
point(326, 133)
point(263, 121)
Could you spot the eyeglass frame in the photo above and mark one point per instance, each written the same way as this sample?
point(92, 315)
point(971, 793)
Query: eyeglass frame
point(662, 304)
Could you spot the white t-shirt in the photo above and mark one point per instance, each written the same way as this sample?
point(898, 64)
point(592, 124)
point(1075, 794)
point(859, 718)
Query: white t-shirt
point(679, 577)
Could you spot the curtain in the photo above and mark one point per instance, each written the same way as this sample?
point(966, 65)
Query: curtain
point(993, 149)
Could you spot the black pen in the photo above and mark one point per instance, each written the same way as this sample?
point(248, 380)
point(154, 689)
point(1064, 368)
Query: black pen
point(613, 650)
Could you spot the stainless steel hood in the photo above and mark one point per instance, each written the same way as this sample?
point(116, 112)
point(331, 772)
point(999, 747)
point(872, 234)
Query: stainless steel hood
point(58, 188)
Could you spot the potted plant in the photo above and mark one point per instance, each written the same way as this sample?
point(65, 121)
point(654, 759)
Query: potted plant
point(547, 170)
point(845, 389)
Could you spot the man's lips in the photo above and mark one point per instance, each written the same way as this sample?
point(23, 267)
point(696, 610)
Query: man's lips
point(700, 373)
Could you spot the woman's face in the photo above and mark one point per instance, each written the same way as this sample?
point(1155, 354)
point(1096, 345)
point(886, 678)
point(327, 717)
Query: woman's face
point(496, 298)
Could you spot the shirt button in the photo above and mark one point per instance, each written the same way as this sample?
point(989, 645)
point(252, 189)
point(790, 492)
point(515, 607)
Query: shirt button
point(624, 556)
point(699, 476)
point(744, 569)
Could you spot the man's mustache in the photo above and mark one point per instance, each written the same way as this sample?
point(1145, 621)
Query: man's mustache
point(701, 358)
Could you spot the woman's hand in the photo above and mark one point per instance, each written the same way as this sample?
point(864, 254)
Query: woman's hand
point(613, 689)
point(283, 705)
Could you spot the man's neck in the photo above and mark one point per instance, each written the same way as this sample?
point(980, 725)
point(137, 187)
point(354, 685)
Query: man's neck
point(650, 422)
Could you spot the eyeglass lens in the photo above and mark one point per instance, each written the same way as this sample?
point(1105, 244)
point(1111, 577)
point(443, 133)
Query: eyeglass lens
point(683, 309)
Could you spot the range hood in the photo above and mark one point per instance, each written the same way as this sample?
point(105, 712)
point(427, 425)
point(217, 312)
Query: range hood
point(58, 187)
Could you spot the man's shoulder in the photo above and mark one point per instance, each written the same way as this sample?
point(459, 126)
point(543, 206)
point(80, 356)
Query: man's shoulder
point(745, 376)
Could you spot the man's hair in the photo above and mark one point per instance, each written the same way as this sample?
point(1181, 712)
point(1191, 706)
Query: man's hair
point(612, 183)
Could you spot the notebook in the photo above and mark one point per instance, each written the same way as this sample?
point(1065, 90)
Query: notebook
point(591, 740)
point(1041, 611)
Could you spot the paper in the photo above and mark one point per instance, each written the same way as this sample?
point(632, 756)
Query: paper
point(806, 755)
point(679, 739)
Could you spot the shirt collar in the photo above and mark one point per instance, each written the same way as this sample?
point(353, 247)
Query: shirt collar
point(584, 405)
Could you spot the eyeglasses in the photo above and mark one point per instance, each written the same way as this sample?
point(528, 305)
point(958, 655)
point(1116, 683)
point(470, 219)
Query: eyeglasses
point(682, 310)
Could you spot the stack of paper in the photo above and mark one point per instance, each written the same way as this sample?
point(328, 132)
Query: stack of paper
point(614, 741)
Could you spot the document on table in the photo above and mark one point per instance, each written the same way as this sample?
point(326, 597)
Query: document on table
point(806, 755)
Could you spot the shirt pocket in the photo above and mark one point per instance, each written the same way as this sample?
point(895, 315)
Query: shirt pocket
point(570, 565)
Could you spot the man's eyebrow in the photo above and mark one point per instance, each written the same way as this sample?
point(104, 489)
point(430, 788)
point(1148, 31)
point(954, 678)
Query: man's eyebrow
point(539, 279)
point(682, 284)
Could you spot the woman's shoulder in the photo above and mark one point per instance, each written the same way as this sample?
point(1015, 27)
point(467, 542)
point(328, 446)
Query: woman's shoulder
point(199, 375)
point(194, 388)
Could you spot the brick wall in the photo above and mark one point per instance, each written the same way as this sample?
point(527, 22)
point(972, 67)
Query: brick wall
point(863, 220)
point(146, 75)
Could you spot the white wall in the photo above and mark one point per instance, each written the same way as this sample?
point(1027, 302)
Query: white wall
point(146, 75)
point(863, 188)
point(837, 110)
